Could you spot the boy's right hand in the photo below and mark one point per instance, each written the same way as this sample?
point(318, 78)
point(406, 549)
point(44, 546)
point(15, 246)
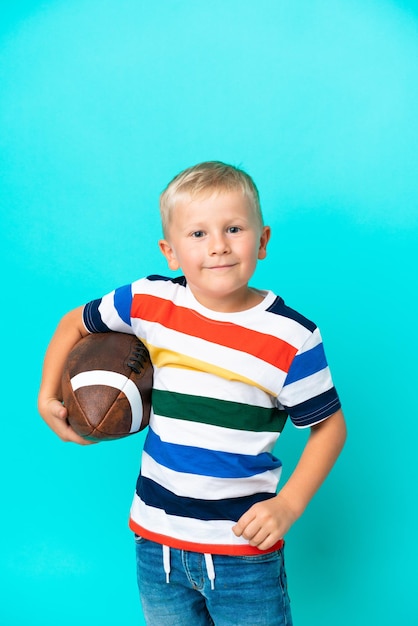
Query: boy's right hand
point(69, 331)
point(55, 415)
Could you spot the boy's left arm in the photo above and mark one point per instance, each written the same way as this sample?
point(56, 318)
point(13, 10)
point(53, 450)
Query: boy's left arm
point(267, 522)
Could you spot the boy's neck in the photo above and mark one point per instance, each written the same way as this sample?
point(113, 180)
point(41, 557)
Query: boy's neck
point(235, 303)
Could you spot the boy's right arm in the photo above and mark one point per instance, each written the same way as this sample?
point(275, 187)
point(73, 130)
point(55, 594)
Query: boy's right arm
point(69, 331)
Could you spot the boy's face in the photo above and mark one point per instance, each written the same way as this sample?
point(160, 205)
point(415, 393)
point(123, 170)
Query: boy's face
point(216, 241)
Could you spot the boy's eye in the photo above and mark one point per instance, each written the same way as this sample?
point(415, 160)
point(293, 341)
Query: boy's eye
point(234, 229)
point(198, 233)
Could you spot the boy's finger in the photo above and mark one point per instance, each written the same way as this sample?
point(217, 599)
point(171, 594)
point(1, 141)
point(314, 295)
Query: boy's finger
point(243, 523)
point(58, 410)
point(237, 530)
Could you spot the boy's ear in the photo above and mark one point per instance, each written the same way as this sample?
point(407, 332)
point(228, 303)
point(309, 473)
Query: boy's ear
point(264, 239)
point(169, 254)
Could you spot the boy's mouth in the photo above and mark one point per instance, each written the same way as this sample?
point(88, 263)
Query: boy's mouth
point(221, 267)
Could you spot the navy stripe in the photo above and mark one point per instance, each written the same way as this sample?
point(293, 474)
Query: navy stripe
point(279, 308)
point(92, 318)
point(306, 364)
point(227, 509)
point(194, 460)
point(178, 280)
point(315, 409)
point(122, 300)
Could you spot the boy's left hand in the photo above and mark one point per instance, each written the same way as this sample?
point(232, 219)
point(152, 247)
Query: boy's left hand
point(265, 522)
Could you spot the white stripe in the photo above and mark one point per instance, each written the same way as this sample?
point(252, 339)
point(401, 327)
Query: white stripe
point(284, 328)
point(193, 486)
point(312, 341)
point(184, 528)
point(307, 388)
point(164, 289)
point(118, 381)
point(236, 362)
point(110, 315)
point(210, 386)
point(210, 437)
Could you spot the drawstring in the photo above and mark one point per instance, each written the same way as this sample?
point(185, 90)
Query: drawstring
point(210, 570)
point(166, 561)
point(208, 560)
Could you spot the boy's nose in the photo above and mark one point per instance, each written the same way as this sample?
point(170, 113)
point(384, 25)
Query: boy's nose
point(218, 245)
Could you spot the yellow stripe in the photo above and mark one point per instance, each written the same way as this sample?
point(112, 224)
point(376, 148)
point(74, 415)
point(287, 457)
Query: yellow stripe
point(160, 357)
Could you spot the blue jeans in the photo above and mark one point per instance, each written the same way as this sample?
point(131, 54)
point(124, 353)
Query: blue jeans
point(247, 590)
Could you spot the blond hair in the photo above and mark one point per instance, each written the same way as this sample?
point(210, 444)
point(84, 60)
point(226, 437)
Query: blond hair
point(204, 178)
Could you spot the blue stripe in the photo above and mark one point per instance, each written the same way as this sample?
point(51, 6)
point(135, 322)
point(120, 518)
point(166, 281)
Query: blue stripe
point(279, 308)
point(92, 318)
point(123, 302)
point(306, 364)
point(193, 460)
point(227, 509)
point(315, 409)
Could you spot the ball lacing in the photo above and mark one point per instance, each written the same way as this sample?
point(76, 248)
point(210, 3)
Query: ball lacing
point(138, 358)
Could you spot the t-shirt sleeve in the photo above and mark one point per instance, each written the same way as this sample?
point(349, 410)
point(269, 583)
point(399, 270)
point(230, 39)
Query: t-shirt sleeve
point(308, 394)
point(110, 313)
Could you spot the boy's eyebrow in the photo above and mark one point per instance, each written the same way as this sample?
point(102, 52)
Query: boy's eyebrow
point(202, 225)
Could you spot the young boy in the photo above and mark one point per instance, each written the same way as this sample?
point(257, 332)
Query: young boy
point(231, 363)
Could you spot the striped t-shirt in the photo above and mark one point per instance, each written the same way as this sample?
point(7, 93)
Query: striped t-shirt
point(224, 385)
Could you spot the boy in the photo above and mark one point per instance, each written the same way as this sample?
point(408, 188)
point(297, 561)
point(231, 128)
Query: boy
point(231, 363)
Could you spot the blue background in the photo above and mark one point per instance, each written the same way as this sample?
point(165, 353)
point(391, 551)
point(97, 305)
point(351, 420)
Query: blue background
point(101, 103)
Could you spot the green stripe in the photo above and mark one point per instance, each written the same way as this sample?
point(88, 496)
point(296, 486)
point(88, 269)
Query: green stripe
point(218, 412)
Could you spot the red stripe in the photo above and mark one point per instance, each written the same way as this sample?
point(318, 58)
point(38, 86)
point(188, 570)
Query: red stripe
point(266, 347)
point(205, 548)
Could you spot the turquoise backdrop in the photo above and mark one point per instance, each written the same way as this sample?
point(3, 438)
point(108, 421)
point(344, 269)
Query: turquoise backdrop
point(101, 103)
